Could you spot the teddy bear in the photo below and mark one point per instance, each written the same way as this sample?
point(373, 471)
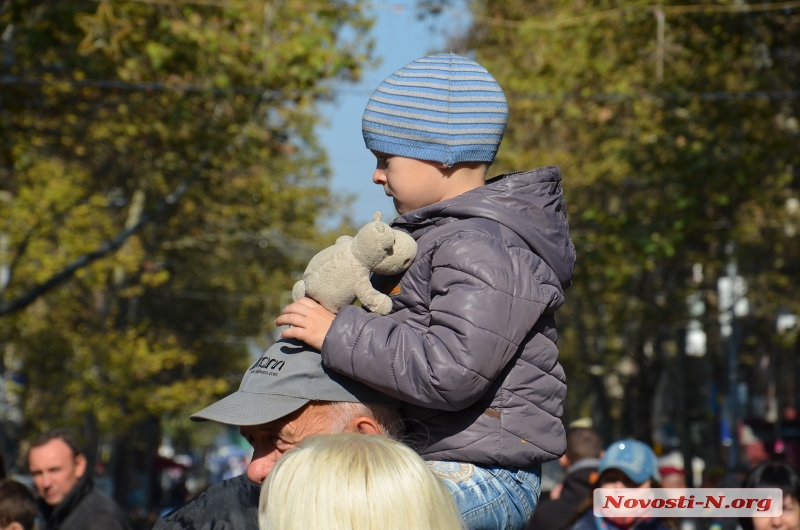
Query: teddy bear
point(339, 274)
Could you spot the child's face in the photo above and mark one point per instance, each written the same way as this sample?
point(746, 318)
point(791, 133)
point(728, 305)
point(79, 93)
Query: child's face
point(411, 183)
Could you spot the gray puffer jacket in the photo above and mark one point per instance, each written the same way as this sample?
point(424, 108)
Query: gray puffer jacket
point(470, 345)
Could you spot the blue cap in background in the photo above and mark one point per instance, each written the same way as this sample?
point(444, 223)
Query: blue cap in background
point(633, 458)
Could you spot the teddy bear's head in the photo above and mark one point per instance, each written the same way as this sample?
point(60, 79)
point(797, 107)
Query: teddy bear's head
point(399, 257)
point(382, 249)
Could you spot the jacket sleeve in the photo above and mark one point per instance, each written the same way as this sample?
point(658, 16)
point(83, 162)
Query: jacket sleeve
point(484, 300)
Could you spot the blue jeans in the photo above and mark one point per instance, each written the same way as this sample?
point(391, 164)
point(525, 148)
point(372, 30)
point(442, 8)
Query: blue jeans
point(490, 497)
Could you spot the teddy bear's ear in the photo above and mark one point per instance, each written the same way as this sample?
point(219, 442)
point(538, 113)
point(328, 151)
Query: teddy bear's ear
point(377, 216)
point(388, 240)
point(380, 227)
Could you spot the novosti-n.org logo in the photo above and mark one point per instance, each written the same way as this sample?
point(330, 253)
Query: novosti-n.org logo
point(688, 502)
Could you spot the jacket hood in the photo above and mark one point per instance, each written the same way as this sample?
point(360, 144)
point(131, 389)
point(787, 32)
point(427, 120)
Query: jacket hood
point(531, 203)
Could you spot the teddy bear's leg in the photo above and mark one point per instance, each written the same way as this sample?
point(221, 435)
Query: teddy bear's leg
point(373, 300)
point(299, 290)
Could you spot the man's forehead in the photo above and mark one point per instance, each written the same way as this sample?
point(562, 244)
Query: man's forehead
point(311, 417)
point(52, 449)
point(272, 426)
point(275, 425)
point(49, 459)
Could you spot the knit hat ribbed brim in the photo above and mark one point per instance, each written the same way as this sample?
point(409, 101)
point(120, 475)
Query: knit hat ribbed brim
point(443, 108)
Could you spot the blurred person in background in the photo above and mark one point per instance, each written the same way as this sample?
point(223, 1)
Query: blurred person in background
point(672, 477)
point(675, 477)
point(626, 464)
point(580, 462)
point(285, 396)
point(17, 507)
point(353, 482)
point(775, 475)
point(68, 497)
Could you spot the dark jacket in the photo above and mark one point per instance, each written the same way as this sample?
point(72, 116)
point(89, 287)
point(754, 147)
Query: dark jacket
point(228, 505)
point(589, 522)
point(470, 345)
point(559, 514)
point(84, 508)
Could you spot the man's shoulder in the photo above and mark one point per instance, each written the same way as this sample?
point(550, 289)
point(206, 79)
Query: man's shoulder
point(552, 514)
point(232, 502)
point(585, 521)
point(578, 484)
point(97, 511)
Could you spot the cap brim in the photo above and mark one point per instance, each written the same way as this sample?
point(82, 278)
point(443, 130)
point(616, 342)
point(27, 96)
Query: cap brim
point(247, 408)
point(636, 475)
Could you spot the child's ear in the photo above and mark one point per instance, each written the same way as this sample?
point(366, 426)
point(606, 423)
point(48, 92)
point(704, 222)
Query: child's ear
point(13, 526)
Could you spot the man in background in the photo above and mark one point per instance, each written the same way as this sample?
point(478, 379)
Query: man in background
point(584, 450)
point(69, 500)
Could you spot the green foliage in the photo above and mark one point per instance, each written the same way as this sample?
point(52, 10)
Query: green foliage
point(661, 171)
point(106, 110)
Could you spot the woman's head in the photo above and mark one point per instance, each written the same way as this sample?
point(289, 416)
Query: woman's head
point(776, 475)
point(628, 464)
point(355, 482)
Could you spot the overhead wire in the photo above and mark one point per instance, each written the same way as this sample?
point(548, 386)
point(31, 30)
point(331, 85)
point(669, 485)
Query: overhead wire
point(535, 23)
point(600, 96)
point(607, 13)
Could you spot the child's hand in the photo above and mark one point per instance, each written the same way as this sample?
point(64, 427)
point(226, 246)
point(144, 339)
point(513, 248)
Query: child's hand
point(309, 322)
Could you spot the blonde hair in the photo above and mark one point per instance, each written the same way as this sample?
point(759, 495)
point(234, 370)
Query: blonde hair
point(354, 481)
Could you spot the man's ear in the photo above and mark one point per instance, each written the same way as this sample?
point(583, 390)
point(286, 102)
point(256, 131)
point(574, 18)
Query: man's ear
point(13, 526)
point(80, 466)
point(364, 425)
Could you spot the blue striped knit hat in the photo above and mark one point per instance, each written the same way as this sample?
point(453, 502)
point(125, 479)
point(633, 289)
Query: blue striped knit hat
point(443, 108)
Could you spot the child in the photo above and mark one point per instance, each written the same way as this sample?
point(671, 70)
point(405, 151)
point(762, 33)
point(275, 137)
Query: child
point(470, 345)
point(17, 507)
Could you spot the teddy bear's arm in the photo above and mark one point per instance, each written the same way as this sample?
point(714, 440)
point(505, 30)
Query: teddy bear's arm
point(373, 300)
point(299, 290)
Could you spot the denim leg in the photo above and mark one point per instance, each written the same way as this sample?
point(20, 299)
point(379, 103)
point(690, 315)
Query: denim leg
point(489, 497)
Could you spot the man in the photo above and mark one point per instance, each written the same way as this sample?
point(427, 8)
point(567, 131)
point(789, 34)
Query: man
point(284, 396)
point(584, 450)
point(69, 500)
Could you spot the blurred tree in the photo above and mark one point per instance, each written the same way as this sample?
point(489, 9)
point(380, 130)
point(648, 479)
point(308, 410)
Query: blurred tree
point(173, 141)
point(677, 131)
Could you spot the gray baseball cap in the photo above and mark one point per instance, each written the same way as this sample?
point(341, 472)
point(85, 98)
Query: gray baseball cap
point(287, 376)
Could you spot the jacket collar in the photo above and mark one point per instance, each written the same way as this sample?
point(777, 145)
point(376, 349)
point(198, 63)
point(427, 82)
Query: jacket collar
point(55, 515)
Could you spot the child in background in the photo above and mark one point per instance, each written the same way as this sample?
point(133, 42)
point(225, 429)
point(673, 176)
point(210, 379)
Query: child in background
point(470, 345)
point(17, 507)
